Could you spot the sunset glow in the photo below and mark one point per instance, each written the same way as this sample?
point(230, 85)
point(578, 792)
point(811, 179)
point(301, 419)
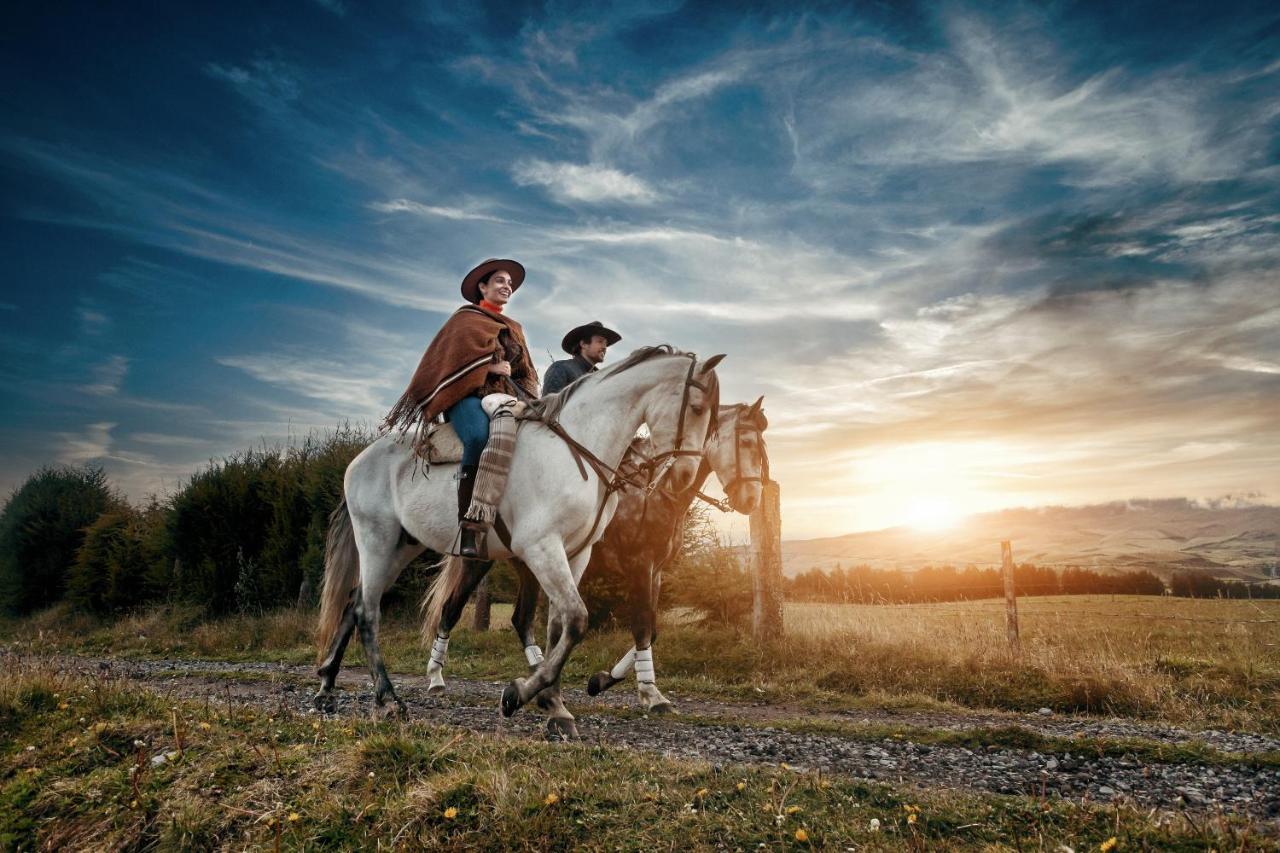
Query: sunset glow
point(934, 514)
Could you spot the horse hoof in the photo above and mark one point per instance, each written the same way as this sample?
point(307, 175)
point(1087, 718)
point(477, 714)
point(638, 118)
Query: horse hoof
point(599, 683)
point(323, 702)
point(510, 700)
point(663, 708)
point(435, 690)
point(561, 728)
point(395, 711)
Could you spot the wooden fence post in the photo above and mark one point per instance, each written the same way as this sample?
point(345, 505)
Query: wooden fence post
point(480, 618)
point(1010, 597)
point(766, 563)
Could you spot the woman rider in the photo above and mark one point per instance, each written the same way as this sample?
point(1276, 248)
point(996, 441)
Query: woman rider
point(478, 351)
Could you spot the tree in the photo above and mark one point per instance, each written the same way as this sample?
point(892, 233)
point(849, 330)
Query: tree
point(41, 529)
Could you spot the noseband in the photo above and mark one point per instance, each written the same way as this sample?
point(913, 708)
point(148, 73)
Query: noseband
point(654, 468)
point(739, 477)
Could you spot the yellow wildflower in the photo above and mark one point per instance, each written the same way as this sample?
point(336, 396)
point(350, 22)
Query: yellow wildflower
point(792, 809)
point(62, 706)
point(133, 804)
point(316, 726)
point(450, 813)
point(551, 799)
point(801, 835)
point(1109, 844)
point(911, 818)
point(702, 792)
point(742, 786)
point(205, 726)
point(294, 817)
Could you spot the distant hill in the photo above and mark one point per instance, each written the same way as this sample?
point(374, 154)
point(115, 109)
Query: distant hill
point(1163, 536)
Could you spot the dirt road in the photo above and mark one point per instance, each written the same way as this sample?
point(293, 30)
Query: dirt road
point(860, 744)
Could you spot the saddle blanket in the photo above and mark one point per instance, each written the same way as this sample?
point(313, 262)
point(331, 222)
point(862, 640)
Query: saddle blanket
point(442, 445)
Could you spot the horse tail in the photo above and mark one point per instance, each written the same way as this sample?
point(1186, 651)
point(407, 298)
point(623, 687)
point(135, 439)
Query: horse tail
point(446, 581)
point(341, 574)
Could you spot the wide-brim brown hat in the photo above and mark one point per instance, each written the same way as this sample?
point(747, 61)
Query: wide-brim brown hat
point(471, 282)
point(586, 330)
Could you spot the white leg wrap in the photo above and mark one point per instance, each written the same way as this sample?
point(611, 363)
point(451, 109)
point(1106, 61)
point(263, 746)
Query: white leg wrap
point(622, 667)
point(644, 666)
point(440, 651)
point(533, 654)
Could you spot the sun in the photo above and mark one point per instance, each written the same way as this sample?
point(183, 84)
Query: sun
point(933, 514)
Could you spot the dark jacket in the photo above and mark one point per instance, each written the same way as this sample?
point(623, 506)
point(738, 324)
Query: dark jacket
point(567, 370)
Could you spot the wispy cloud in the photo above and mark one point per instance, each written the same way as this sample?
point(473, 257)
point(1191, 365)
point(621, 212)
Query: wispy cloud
point(588, 183)
point(356, 395)
point(107, 377)
point(403, 205)
point(91, 444)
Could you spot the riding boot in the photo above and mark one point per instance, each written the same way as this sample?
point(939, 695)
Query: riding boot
point(467, 546)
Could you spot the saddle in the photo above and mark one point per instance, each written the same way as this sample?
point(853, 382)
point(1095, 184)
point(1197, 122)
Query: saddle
point(442, 445)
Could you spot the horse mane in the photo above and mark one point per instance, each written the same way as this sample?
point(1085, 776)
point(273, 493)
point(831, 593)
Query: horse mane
point(548, 408)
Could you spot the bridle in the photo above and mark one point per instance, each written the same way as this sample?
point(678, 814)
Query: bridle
point(739, 427)
point(653, 468)
point(742, 426)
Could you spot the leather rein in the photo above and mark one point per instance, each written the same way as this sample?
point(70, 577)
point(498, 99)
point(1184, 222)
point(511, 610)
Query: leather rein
point(653, 468)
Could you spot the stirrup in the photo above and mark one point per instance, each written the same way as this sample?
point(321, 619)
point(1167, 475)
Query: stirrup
point(470, 542)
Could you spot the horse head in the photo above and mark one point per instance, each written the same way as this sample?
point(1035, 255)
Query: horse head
point(684, 418)
point(737, 454)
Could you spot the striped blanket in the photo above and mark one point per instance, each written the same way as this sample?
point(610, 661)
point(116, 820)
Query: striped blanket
point(495, 462)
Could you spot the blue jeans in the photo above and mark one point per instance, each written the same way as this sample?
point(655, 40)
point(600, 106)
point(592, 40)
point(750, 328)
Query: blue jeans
point(472, 425)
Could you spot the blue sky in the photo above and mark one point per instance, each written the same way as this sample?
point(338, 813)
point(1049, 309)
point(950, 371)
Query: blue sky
point(973, 255)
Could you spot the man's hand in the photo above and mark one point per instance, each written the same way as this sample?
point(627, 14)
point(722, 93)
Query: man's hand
point(500, 368)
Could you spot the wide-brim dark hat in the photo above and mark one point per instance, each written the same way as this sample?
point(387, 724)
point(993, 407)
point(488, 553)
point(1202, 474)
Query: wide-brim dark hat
point(471, 282)
point(586, 330)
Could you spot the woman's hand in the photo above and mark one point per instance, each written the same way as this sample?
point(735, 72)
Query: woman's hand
point(500, 368)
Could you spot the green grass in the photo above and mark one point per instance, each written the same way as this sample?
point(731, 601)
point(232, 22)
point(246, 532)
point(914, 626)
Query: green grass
point(71, 777)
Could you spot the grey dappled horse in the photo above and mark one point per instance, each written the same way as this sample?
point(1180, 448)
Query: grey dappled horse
point(554, 509)
point(644, 536)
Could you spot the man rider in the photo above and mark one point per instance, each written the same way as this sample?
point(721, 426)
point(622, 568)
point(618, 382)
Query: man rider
point(587, 345)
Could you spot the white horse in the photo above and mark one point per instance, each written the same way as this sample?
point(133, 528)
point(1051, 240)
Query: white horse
point(558, 501)
point(643, 536)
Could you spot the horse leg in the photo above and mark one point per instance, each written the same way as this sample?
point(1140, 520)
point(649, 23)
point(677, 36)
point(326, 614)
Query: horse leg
point(473, 571)
point(328, 671)
point(382, 557)
point(565, 628)
point(368, 616)
point(643, 598)
point(522, 615)
point(560, 723)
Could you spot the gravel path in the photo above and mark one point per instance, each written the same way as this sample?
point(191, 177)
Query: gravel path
point(747, 737)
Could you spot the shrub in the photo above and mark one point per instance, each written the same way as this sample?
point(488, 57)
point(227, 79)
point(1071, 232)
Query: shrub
point(41, 529)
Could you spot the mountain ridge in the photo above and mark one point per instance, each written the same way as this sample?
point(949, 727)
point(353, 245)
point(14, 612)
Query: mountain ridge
point(1227, 538)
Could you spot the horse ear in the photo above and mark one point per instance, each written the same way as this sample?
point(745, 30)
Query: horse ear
point(710, 363)
point(755, 407)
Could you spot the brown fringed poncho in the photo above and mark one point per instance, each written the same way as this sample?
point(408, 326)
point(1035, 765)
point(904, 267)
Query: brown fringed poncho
point(456, 364)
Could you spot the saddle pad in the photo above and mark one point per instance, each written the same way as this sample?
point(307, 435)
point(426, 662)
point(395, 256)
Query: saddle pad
point(443, 444)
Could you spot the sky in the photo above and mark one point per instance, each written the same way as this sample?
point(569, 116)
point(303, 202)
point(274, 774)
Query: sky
point(973, 255)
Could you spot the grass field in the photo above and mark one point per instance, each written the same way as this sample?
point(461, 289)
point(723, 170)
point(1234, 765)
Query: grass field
point(91, 764)
point(1190, 662)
